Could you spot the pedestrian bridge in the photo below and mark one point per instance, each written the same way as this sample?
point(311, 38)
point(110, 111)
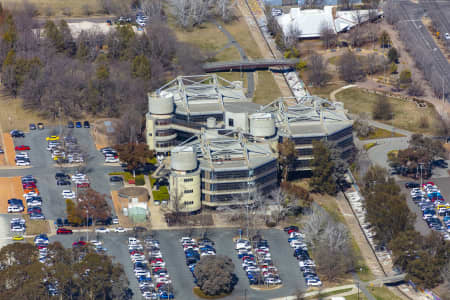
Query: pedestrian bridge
point(247, 65)
point(388, 280)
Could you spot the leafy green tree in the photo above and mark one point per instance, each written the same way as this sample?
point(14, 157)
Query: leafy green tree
point(386, 207)
point(287, 155)
point(215, 275)
point(385, 39)
point(134, 155)
point(393, 55)
point(405, 247)
point(393, 68)
point(9, 31)
point(322, 180)
point(53, 35)
point(141, 67)
point(405, 76)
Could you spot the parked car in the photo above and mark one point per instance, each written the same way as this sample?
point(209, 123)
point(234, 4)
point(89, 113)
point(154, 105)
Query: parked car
point(410, 185)
point(68, 194)
point(78, 125)
point(40, 126)
point(86, 124)
point(70, 124)
point(22, 148)
point(111, 160)
point(32, 126)
point(116, 178)
point(52, 138)
point(17, 134)
point(63, 231)
point(63, 182)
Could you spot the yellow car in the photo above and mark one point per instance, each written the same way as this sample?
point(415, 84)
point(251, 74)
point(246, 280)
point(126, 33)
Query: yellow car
point(17, 238)
point(52, 138)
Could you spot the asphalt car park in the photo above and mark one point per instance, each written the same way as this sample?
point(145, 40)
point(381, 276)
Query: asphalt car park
point(420, 224)
point(182, 280)
point(44, 168)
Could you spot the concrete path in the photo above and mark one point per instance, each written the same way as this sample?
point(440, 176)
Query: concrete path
point(250, 77)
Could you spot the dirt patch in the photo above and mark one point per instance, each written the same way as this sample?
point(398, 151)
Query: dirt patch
point(104, 132)
point(10, 187)
point(120, 203)
point(35, 227)
point(8, 147)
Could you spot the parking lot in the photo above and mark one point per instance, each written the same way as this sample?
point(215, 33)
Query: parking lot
point(43, 168)
point(182, 279)
point(420, 224)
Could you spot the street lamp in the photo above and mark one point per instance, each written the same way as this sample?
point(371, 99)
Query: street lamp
point(87, 225)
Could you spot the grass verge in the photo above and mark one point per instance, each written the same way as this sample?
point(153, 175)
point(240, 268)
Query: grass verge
point(161, 194)
point(322, 295)
point(369, 145)
point(406, 113)
point(383, 293)
point(380, 133)
point(198, 292)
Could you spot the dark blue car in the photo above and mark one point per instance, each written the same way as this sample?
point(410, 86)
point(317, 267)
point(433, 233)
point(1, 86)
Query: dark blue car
point(78, 125)
point(165, 295)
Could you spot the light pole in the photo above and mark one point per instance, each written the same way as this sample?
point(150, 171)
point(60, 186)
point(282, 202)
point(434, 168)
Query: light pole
point(87, 225)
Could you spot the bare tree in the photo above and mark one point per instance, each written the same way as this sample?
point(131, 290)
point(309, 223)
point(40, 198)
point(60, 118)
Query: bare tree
point(328, 35)
point(345, 4)
point(152, 8)
point(307, 4)
point(225, 9)
point(317, 70)
point(390, 11)
point(291, 35)
point(415, 89)
point(349, 67)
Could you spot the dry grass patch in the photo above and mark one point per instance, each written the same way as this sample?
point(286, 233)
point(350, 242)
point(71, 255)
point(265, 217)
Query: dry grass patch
point(14, 116)
point(209, 39)
point(406, 113)
point(325, 91)
point(266, 89)
point(35, 227)
point(59, 7)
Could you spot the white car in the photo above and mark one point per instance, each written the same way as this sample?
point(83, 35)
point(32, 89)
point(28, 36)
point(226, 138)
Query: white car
point(22, 163)
point(95, 243)
point(101, 230)
point(313, 282)
point(79, 176)
point(30, 194)
point(15, 209)
point(111, 160)
point(68, 194)
point(119, 229)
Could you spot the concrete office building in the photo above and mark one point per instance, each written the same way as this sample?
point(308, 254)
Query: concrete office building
point(224, 147)
point(220, 170)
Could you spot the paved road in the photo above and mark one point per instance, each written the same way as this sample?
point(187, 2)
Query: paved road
point(250, 77)
point(44, 169)
point(182, 279)
point(411, 13)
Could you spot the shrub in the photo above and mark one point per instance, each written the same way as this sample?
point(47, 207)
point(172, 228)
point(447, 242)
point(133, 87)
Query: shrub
point(140, 180)
point(405, 76)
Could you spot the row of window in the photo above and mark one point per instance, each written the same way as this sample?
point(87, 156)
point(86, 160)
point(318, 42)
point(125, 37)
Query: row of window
point(186, 203)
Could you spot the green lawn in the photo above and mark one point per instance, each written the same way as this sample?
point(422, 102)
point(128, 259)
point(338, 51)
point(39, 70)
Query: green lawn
point(406, 113)
point(161, 194)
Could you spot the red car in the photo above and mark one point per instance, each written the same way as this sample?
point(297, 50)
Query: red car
point(34, 210)
point(63, 231)
point(28, 185)
point(79, 243)
point(292, 230)
point(22, 148)
point(83, 185)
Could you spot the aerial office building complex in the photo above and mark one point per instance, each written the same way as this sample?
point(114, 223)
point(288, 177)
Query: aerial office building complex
point(223, 147)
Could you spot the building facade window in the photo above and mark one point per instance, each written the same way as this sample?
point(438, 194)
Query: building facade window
point(186, 203)
point(230, 122)
point(188, 179)
point(188, 191)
